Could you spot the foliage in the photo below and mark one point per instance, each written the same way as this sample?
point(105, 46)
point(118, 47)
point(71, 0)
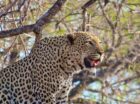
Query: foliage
point(118, 25)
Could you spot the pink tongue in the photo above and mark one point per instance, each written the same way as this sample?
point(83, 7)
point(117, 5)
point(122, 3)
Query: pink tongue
point(94, 63)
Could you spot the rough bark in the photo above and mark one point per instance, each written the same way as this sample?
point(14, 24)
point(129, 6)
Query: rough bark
point(37, 27)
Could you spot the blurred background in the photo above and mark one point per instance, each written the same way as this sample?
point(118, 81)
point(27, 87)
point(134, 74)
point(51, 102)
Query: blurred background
point(116, 22)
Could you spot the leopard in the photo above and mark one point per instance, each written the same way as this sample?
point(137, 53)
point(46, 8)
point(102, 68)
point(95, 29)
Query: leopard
point(45, 75)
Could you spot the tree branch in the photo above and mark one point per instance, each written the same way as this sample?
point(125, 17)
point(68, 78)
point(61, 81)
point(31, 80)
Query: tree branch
point(88, 4)
point(16, 31)
point(7, 8)
point(45, 19)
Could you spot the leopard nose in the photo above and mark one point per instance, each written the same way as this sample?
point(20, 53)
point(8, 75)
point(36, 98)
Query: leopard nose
point(100, 52)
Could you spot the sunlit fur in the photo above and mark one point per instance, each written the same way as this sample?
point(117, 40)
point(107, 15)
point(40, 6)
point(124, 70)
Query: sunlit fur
point(45, 76)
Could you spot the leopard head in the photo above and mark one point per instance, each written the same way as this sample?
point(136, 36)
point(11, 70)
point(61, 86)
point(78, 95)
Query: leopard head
point(89, 48)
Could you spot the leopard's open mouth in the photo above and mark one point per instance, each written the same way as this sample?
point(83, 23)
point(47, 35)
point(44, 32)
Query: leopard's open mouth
point(91, 62)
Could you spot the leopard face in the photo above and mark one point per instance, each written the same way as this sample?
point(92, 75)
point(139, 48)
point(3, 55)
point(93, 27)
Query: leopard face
point(88, 47)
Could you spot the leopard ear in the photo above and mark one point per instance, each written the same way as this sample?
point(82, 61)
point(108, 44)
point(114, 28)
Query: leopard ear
point(71, 38)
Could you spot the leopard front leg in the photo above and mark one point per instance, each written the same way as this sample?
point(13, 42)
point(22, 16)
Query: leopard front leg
point(61, 96)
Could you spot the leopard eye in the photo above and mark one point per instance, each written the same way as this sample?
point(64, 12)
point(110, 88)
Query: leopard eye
point(89, 42)
point(101, 42)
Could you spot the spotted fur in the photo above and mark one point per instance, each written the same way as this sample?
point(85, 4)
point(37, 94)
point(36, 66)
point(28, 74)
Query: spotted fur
point(44, 77)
